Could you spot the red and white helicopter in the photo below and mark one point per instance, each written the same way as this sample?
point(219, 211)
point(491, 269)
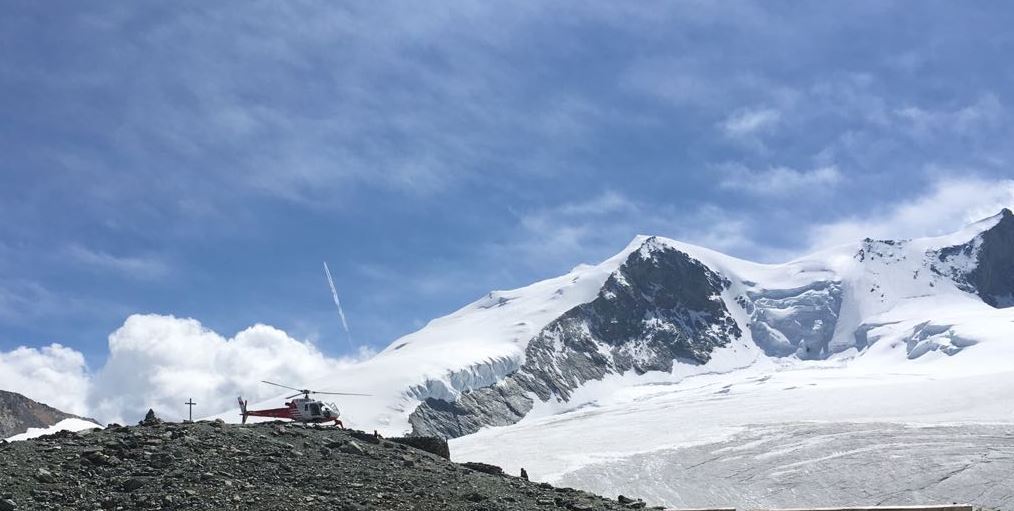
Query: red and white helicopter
point(303, 409)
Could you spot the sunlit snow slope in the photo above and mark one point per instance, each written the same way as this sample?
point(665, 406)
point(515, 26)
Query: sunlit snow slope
point(877, 329)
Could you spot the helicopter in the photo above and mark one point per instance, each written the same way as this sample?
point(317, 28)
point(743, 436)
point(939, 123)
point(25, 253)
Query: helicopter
point(304, 409)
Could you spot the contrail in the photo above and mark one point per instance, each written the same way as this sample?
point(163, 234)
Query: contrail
point(338, 303)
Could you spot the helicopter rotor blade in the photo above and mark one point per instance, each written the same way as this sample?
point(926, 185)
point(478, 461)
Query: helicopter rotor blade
point(308, 391)
point(280, 385)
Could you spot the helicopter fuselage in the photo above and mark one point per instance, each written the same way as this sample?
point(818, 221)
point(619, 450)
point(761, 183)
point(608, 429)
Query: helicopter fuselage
point(302, 410)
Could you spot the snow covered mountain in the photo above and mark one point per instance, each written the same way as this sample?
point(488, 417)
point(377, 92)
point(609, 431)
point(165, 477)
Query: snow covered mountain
point(662, 310)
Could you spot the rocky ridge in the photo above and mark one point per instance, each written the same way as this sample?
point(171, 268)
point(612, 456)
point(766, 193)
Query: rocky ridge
point(267, 466)
point(19, 413)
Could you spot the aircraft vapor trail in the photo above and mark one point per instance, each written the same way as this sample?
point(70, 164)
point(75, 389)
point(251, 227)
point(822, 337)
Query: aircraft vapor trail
point(338, 304)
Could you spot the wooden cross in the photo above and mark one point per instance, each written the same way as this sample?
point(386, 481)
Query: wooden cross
point(190, 403)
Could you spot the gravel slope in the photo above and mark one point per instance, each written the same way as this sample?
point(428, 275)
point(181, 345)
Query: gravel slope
point(212, 465)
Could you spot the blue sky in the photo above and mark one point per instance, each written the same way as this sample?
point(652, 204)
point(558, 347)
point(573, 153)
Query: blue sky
point(201, 159)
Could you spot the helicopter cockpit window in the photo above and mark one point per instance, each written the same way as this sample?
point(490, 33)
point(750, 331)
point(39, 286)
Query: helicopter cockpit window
point(315, 409)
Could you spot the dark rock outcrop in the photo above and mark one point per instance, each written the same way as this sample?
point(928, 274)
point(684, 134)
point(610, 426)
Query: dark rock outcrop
point(429, 444)
point(992, 275)
point(501, 404)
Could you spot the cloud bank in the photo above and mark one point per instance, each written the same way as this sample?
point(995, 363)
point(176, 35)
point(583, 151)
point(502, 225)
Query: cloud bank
point(55, 375)
point(159, 362)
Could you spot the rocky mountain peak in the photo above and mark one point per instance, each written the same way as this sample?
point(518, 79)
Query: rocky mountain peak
point(985, 264)
point(659, 306)
point(18, 413)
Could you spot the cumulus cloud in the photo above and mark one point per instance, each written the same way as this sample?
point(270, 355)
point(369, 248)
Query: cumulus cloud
point(948, 205)
point(778, 181)
point(158, 362)
point(55, 375)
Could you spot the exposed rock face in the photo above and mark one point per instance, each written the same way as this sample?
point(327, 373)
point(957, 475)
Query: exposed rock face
point(660, 306)
point(992, 274)
point(18, 413)
point(501, 404)
point(258, 467)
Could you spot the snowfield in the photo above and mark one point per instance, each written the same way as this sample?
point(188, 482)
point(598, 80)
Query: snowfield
point(844, 432)
point(64, 425)
point(652, 416)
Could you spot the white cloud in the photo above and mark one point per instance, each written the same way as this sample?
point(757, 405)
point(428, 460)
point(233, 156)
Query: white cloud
point(779, 181)
point(159, 362)
point(749, 122)
point(55, 375)
point(950, 204)
point(163, 360)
